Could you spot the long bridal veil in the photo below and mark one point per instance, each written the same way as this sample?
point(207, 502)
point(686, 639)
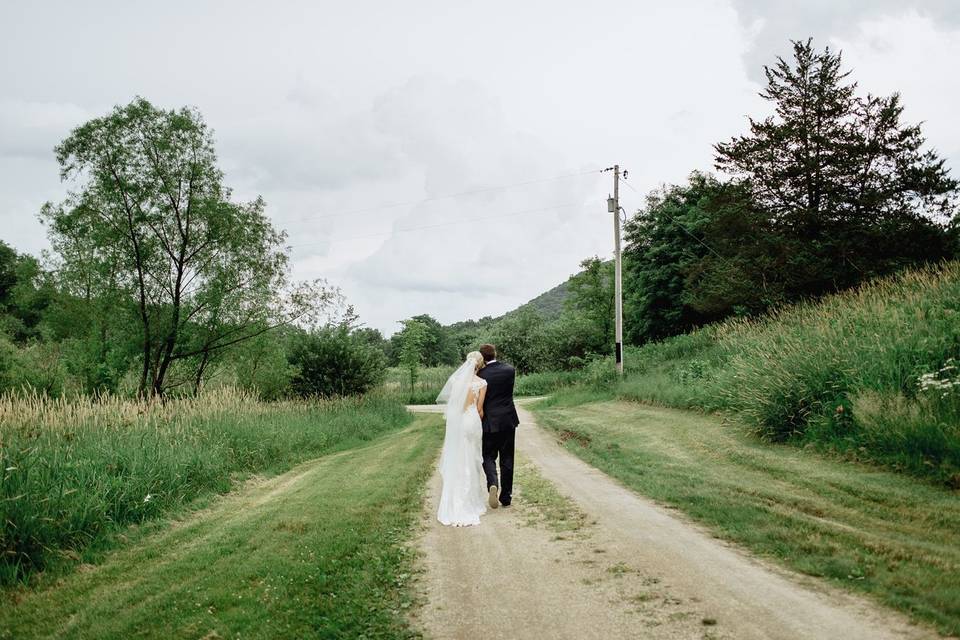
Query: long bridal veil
point(454, 392)
point(462, 499)
point(454, 395)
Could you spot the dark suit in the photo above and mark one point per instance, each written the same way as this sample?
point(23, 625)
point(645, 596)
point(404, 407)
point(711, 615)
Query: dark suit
point(500, 422)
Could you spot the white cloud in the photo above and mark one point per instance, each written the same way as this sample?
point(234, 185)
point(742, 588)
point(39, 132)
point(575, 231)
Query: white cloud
point(331, 110)
point(900, 54)
point(773, 23)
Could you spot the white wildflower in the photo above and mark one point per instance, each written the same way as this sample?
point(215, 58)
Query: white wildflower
point(148, 497)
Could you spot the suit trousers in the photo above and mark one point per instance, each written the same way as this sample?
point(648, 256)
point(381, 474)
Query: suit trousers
point(499, 444)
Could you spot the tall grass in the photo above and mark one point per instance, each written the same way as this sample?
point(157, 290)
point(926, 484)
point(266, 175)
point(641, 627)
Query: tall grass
point(76, 470)
point(430, 381)
point(842, 373)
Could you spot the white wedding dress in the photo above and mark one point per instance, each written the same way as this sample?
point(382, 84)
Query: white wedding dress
point(463, 497)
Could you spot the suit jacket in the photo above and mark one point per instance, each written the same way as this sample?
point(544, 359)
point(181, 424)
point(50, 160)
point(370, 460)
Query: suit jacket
point(499, 412)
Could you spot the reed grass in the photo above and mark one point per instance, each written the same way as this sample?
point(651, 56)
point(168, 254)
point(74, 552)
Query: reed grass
point(843, 373)
point(75, 471)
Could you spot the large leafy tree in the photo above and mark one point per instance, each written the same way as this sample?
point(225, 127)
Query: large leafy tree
point(150, 229)
point(664, 243)
point(521, 339)
point(25, 294)
point(438, 347)
point(334, 361)
point(591, 298)
point(847, 182)
point(410, 341)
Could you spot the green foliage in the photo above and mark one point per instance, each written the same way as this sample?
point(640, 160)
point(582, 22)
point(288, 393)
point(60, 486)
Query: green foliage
point(590, 304)
point(844, 373)
point(36, 366)
point(437, 346)
point(521, 340)
point(263, 562)
point(430, 381)
point(74, 471)
point(151, 222)
point(335, 362)
point(828, 193)
point(25, 294)
point(663, 255)
point(846, 183)
point(261, 366)
point(545, 382)
point(411, 341)
point(551, 304)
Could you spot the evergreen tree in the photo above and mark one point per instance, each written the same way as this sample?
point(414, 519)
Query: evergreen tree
point(848, 184)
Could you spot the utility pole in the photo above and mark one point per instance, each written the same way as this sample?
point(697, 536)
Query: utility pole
point(613, 206)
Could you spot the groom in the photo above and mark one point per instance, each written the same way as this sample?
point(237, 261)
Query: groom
point(500, 422)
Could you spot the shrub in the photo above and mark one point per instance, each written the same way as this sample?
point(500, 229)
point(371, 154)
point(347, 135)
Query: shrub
point(334, 362)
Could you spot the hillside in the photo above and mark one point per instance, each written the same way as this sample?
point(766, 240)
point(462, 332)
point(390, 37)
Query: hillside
point(870, 373)
point(548, 304)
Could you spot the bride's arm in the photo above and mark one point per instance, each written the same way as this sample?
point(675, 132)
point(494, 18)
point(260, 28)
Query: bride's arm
point(480, 397)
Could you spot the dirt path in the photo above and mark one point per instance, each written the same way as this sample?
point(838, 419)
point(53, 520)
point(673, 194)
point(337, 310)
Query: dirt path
point(638, 570)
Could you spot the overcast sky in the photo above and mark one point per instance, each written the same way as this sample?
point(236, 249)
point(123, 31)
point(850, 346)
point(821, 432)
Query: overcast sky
point(333, 110)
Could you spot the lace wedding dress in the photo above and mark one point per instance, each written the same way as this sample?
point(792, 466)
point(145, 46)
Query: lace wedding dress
point(463, 497)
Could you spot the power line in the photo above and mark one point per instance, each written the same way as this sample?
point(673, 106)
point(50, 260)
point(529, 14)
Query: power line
point(446, 196)
point(444, 224)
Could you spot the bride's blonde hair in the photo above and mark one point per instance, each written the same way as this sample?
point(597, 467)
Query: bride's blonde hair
point(477, 358)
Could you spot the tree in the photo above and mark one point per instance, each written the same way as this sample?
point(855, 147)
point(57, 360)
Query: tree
point(438, 348)
point(663, 246)
point(591, 295)
point(521, 339)
point(335, 362)
point(153, 224)
point(25, 294)
point(845, 181)
point(411, 340)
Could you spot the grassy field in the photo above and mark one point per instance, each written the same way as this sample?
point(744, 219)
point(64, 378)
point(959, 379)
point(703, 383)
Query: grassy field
point(319, 552)
point(430, 381)
point(76, 472)
point(872, 531)
point(873, 374)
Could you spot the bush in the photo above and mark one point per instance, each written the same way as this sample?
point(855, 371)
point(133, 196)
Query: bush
point(334, 362)
point(37, 366)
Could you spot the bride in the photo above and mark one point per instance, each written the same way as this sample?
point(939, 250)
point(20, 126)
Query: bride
point(463, 498)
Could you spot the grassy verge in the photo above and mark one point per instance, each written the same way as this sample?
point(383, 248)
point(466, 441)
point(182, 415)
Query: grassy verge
point(871, 531)
point(547, 506)
point(319, 552)
point(75, 473)
point(873, 374)
point(430, 381)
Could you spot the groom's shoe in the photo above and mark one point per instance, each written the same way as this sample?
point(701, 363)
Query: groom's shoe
point(493, 498)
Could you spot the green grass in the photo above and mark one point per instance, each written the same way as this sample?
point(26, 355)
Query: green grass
point(319, 552)
point(842, 374)
point(548, 507)
point(76, 472)
point(430, 381)
point(543, 383)
point(871, 531)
